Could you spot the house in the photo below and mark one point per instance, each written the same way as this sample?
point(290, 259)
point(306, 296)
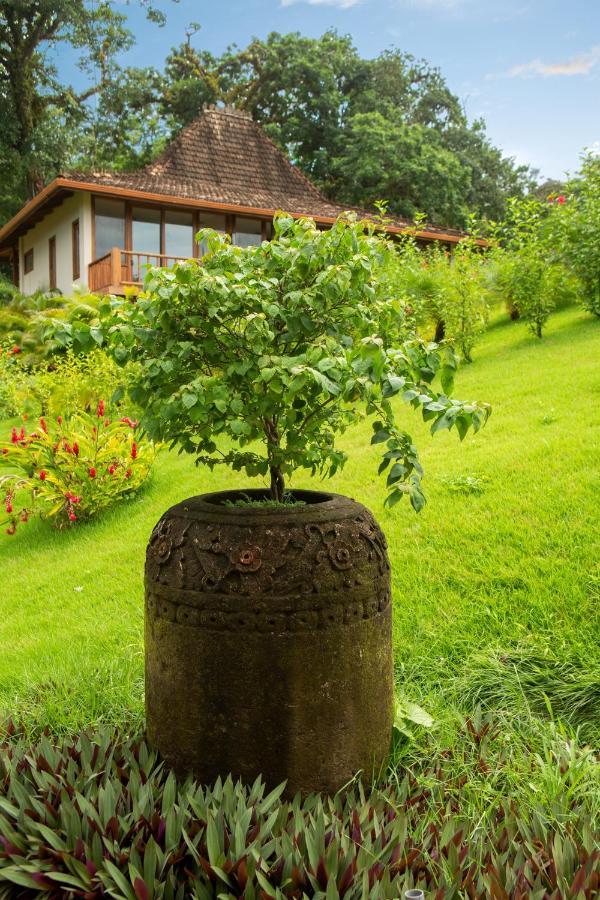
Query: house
point(99, 231)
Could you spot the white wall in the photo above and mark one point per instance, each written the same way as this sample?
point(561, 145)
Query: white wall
point(58, 224)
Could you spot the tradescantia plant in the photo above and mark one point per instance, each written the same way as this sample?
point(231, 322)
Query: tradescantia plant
point(286, 345)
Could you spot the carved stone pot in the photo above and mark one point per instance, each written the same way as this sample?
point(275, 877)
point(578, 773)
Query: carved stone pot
point(268, 640)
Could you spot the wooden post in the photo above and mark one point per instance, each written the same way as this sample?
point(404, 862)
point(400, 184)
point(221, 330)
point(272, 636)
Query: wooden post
point(115, 266)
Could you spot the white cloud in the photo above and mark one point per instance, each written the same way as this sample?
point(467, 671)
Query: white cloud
point(341, 4)
point(580, 64)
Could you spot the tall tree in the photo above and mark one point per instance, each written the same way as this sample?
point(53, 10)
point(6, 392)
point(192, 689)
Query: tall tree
point(39, 112)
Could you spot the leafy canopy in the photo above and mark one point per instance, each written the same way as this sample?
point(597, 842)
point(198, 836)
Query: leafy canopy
point(259, 358)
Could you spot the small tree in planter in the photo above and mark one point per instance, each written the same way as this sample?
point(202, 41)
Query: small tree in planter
point(259, 359)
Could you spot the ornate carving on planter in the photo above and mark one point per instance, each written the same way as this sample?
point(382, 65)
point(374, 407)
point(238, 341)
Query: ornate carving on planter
point(268, 641)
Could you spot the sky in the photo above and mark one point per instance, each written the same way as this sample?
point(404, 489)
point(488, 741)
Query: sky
point(530, 69)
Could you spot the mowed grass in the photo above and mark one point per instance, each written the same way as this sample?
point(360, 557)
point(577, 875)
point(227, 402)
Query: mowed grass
point(496, 583)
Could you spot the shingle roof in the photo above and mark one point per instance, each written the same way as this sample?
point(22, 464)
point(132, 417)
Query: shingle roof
point(224, 156)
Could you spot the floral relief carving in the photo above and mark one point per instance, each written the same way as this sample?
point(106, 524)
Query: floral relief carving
point(270, 575)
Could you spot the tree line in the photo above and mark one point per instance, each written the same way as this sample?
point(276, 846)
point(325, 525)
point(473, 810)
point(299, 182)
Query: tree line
point(361, 129)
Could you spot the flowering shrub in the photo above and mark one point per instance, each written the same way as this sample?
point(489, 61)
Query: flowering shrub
point(71, 469)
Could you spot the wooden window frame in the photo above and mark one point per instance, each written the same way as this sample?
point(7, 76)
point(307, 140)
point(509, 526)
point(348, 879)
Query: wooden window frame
point(196, 216)
point(28, 261)
point(52, 262)
point(76, 249)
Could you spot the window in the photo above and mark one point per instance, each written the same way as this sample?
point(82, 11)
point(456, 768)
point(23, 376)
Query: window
point(52, 263)
point(28, 261)
point(145, 229)
point(109, 224)
point(179, 234)
point(248, 232)
point(75, 249)
point(211, 220)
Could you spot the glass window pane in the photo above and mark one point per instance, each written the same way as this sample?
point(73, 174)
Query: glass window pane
point(145, 229)
point(213, 220)
point(109, 225)
point(179, 234)
point(248, 232)
point(216, 221)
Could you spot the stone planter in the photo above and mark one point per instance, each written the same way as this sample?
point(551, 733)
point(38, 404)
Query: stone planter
point(268, 641)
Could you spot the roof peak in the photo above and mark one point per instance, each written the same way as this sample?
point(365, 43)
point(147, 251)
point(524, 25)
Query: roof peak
point(227, 110)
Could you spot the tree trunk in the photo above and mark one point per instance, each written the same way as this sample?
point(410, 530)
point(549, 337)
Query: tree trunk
point(277, 481)
point(277, 484)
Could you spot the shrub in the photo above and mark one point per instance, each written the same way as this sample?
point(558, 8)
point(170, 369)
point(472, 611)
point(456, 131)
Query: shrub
point(575, 229)
point(11, 377)
point(71, 383)
point(463, 303)
point(445, 290)
point(44, 324)
point(286, 344)
point(97, 815)
point(529, 289)
point(71, 469)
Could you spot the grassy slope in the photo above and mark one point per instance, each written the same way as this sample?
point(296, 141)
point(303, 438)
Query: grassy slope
point(496, 595)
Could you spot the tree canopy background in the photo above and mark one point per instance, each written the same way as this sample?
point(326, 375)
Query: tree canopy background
point(362, 129)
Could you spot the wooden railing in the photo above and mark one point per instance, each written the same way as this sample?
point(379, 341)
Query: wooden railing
point(124, 268)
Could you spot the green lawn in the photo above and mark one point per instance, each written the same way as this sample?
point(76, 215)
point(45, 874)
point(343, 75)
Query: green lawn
point(496, 592)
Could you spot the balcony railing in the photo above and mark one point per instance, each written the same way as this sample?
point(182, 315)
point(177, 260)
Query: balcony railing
point(119, 269)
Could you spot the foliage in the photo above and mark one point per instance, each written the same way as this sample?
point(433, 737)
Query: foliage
point(463, 303)
point(575, 229)
point(41, 113)
point(44, 323)
point(96, 814)
point(71, 469)
point(70, 383)
point(284, 344)
point(524, 269)
point(447, 290)
point(10, 376)
point(407, 162)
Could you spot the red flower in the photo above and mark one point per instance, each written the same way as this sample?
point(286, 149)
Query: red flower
point(11, 529)
point(16, 350)
point(561, 199)
point(92, 472)
point(76, 448)
point(9, 506)
point(42, 475)
point(59, 420)
point(24, 516)
point(72, 516)
point(111, 470)
point(44, 426)
point(100, 410)
point(22, 434)
point(134, 450)
point(130, 422)
point(14, 436)
point(106, 423)
point(128, 473)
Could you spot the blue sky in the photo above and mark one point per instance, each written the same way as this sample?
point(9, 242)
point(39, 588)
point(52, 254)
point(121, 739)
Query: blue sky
point(531, 69)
